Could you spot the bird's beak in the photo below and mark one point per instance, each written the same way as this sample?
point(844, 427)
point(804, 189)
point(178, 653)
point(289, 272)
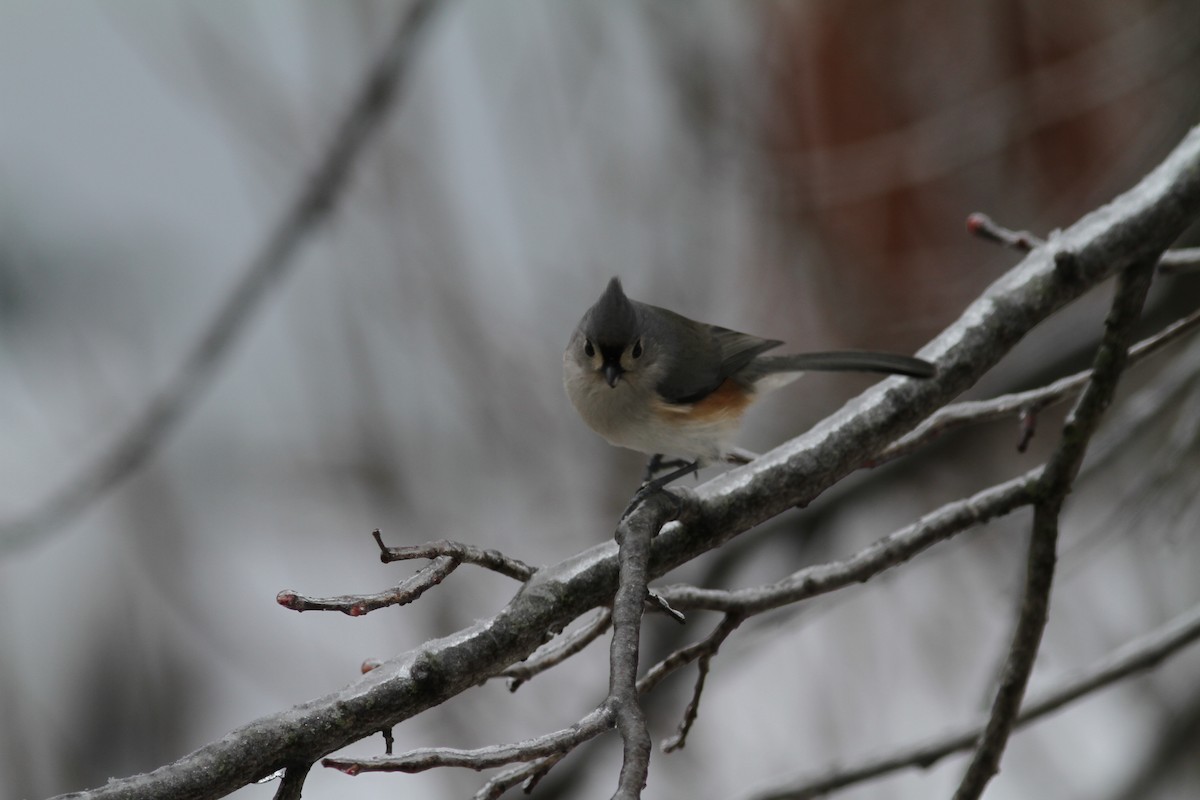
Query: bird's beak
point(612, 374)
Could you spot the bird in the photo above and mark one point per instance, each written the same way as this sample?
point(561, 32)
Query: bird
point(649, 379)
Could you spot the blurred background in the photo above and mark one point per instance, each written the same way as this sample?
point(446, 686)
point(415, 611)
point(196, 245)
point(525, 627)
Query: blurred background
point(799, 170)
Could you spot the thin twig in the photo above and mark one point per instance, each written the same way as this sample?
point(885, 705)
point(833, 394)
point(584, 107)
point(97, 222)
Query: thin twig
point(1141, 654)
point(681, 658)
point(888, 552)
point(677, 660)
point(984, 227)
point(314, 202)
point(532, 772)
point(558, 650)
point(620, 708)
point(356, 605)
point(1029, 402)
point(527, 774)
point(1055, 483)
point(550, 744)
point(1177, 262)
point(488, 559)
point(656, 602)
point(708, 649)
point(1172, 262)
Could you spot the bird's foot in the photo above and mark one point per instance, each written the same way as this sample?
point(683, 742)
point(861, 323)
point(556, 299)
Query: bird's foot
point(655, 485)
point(658, 463)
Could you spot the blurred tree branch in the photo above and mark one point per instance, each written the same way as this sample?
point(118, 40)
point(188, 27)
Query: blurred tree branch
point(1143, 653)
point(1129, 233)
point(316, 200)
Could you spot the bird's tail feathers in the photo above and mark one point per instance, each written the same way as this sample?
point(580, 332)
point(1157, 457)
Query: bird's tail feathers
point(770, 368)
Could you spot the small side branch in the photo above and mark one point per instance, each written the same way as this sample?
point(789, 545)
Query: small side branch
point(1023, 404)
point(1175, 262)
point(888, 552)
point(558, 743)
point(656, 602)
point(527, 775)
point(465, 553)
point(981, 225)
point(356, 605)
point(530, 774)
point(704, 652)
point(558, 650)
point(1172, 262)
point(620, 708)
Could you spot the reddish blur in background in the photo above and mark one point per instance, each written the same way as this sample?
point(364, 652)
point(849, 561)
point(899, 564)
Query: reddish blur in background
point(799, 170)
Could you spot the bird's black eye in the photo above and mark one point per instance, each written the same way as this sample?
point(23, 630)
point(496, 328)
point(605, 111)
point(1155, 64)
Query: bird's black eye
point(636, 352)
point(588, 349)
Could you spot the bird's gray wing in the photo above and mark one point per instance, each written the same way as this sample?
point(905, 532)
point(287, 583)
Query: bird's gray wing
point(701, 356)
point(739, 349)
point(690, 355)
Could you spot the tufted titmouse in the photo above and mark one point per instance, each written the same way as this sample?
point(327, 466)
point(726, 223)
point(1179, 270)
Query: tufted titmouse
point(657, 382)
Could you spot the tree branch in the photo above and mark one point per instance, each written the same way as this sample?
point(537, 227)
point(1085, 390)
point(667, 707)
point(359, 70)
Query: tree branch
point(551, 744)
point(888, 552)
point(1055, 484)
point(527, 774)
point(973, 412)
point(1140, 224)
point(557, 651)
point(465, 553)
point(357, 605)
point(314, 202)
point(634, 534)
point(1183, 259)
point(546, 750)
point(1177, 262)
point(703, 652)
